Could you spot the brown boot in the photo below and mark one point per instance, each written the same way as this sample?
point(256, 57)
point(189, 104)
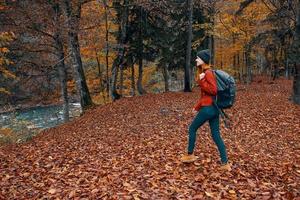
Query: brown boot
point(226, 167)
point(189, 158)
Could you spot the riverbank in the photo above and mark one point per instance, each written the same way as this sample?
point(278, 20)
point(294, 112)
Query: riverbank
point(21, 125)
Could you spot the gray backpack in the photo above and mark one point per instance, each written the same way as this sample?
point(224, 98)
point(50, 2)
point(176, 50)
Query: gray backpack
point(225, 93)
point(226, 89)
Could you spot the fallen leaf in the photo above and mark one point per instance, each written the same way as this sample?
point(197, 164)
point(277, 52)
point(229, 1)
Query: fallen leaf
point(232, 192)
point(72, 194)
point(94, 191)
point(52, 191)
point(209, 194)
point(198, 197)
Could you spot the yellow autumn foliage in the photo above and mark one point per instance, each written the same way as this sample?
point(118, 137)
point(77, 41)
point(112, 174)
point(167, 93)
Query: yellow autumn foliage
point(233, 32)
point(4, 91)
point(5, 38)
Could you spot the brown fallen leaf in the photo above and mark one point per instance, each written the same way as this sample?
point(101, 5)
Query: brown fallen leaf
point(72, 194)
point(25, 175)
point(209, 194)
point(94, 191)
point(136, 197)
point(198, 197)
point(251, 183)
point(125, 184)
point(52, 191)
point(232, 192)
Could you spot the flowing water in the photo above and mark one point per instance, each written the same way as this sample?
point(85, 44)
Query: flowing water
point(37, 117)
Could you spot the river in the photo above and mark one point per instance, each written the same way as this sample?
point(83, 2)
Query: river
point(37, 117)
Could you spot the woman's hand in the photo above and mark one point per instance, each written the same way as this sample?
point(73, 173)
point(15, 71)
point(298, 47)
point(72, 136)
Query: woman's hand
point(201, 76)
point(194, 111)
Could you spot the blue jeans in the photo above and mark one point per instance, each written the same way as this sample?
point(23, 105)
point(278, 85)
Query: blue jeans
point(211, 114)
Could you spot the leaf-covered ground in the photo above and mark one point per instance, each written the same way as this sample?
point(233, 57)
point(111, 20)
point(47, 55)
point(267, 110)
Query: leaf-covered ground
point(130, 149)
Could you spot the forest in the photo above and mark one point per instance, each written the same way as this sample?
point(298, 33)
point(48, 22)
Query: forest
point(96, 98)
point(94, 52)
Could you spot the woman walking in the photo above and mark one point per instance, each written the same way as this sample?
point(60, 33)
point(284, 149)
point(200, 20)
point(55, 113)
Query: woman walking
point(205, 109)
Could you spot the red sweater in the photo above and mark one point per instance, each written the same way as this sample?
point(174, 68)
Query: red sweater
point(208, 87)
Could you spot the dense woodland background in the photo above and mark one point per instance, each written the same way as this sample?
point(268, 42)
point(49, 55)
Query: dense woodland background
point(94, 52)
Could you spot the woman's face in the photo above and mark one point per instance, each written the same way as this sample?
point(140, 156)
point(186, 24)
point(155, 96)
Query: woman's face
point(199, 62)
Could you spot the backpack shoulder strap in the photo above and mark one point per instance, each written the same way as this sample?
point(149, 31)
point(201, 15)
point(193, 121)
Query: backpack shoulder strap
point(223, 114)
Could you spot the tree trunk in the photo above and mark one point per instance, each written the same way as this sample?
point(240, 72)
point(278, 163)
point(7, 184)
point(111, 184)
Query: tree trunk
point(187, 73)
point(132, 81)
point(101, 85)
point(212, 38)
point(296, 83)
point(286, 65)
point(248, 64)
point(99, 70)
point(62, 71)
point(121, 51)
point(62, 76)
point(166, 77)
point(275, 64)
point(275, 70)
point(234, 64)
point(243, 66)
point(239, 66)
point(282, 60)
point(72, 19)
point(234, 59)
point(193, 72)
point(212, 49)
point(249, 69)
point(114, 76)
point(106, 46)
point(141, 91)
point(121, 79)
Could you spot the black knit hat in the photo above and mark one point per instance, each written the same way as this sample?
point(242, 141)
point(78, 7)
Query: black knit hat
point(204, 55)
